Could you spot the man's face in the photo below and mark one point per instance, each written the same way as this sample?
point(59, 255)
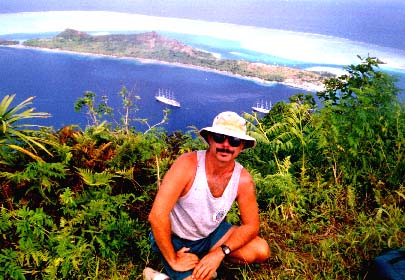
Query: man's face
point(225, 147)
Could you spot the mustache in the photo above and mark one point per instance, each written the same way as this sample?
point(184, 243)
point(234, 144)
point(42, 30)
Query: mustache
point(220, 150)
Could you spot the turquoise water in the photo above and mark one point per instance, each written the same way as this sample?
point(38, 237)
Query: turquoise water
point(230, 49)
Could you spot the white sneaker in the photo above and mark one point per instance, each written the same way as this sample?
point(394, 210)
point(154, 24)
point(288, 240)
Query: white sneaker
point(151, 274)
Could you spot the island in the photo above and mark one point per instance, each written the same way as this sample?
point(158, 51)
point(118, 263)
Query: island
point(8, 42)
point(153, 47)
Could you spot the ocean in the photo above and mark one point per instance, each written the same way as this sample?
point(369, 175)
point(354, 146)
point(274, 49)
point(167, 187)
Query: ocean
point(59, 79)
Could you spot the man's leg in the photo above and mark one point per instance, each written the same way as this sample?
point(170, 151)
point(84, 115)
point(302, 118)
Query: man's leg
point(178, 244)
point(199, 247)
point(256, 251)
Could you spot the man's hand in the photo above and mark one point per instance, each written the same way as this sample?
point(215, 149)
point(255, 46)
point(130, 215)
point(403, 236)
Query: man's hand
point(184, 260)
point(208, 265)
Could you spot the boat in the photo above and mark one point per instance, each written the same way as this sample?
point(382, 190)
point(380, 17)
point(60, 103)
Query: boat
point(167, 97)
point(262, 107)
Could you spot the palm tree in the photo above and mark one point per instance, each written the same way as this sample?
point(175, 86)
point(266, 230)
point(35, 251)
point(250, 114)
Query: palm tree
point(13, 135)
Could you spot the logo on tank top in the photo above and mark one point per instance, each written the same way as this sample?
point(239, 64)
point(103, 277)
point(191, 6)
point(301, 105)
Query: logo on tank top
point(218, 216)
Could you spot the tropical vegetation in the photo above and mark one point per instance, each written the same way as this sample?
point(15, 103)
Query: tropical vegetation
point(151, 45)
point(329, 176)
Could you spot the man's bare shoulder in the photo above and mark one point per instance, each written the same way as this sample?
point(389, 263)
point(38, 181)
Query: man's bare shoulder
point(187, 159)
point(245, 177)
point(181, 174)
point(184, 164)
point(246, 183)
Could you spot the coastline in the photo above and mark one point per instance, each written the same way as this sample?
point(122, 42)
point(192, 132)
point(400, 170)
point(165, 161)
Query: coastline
point(312, 47)
point(288, 82)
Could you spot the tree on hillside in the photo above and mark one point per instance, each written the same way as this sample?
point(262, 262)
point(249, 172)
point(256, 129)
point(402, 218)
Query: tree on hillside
point(286, 131)
point(363, 125)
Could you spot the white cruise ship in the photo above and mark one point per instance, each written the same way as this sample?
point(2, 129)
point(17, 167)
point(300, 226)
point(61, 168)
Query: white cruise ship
point(167, 97)
point(263, 107)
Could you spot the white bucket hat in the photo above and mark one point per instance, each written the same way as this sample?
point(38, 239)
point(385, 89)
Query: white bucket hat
point(231, 124)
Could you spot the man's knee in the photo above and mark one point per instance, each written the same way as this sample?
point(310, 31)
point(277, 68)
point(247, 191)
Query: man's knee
point(257, 251)
point(262, 250)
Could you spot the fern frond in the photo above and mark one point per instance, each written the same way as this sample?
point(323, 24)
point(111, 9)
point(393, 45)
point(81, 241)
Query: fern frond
point(95, 179)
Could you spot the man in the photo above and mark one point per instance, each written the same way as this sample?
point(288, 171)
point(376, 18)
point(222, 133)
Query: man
point(187, 216)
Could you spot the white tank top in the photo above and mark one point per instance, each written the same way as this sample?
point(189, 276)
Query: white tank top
point(198, 213)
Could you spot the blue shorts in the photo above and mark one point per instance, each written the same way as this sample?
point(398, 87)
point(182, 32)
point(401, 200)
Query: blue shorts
point(199, 247)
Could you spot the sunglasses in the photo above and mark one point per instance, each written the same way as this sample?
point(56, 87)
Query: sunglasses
point(220, 138)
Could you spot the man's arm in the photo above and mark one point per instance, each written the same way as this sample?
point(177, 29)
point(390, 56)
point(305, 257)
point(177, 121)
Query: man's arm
point(249, 214)
point(175, 183)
